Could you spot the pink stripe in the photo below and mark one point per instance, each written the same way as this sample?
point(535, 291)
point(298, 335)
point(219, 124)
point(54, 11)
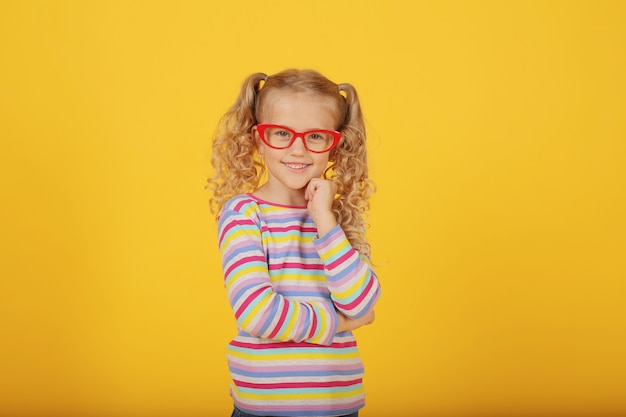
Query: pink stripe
point(281, 320)
point(250, 298)
point(359, 299)
point(233, 224)
point(293, 345)
point(313, 325)
point(334, 264)
point(259, 200)
point(244, 261)
point(295, 265)
point(294, 227)
point(307, 384)
point(242, 203)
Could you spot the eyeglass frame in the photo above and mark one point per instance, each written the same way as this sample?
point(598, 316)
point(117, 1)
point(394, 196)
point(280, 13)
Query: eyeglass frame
point(261, 127)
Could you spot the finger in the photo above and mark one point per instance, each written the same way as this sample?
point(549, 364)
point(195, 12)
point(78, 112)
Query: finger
point(312, 188)
point(313, 185)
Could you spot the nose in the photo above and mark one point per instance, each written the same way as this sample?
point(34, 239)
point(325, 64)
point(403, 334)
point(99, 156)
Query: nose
point(297, 146)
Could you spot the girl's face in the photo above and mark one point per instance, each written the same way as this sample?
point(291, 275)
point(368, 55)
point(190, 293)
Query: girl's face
point(291, 169)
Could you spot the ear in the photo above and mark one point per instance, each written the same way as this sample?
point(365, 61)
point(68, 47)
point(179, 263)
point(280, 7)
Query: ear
point(257, 139)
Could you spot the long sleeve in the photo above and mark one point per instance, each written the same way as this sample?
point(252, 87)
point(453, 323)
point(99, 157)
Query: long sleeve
point(258, 309)
point(352, 282)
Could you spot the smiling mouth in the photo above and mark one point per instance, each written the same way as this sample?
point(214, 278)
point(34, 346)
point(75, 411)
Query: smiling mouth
point(295, 166)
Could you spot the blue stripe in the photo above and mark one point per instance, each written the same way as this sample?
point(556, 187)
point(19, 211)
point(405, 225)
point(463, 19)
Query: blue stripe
point(316, 294)
point(259, 297)
point(237, 231)
point(337, 275)
point(268, 322)
point(243, 250)
point(239, 293)
point(294, 220)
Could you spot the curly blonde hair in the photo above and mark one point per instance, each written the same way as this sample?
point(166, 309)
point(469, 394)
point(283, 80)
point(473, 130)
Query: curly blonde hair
point(238, 168)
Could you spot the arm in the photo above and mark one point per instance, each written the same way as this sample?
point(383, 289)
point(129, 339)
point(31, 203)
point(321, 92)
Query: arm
point(352, 282)
point(351, 279)
point(259, 310)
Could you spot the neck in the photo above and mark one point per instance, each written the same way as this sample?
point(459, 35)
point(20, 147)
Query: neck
point(291, 198)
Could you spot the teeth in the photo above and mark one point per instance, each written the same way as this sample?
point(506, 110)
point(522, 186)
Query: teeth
point(296, 166)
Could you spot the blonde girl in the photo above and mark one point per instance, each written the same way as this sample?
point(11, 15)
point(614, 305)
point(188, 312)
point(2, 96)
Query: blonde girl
point(291, 191)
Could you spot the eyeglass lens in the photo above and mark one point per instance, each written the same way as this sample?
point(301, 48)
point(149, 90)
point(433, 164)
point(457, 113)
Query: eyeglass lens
point(282, 138)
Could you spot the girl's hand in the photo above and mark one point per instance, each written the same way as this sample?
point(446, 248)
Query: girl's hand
point(320, 194)
point(346, 323)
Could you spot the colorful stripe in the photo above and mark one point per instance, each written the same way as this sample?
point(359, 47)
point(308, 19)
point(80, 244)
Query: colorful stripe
point(285, 286)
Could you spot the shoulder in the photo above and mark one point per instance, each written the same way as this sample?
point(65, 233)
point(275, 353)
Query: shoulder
point(242, 205)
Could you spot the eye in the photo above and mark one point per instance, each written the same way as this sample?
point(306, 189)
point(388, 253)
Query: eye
point(279, 135)
point(316, 137)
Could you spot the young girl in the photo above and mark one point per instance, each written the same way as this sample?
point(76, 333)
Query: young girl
point(295, 259)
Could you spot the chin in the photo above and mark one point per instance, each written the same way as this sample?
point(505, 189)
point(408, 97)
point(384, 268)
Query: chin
point(300, 185)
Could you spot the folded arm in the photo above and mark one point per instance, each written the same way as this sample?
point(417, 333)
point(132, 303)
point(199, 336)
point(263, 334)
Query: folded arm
point(352, 282)
point(259, 310)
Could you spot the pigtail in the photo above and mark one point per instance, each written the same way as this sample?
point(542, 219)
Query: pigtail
point(350, 172)
point(353, 116)
point(244, 110)
point(237, 168)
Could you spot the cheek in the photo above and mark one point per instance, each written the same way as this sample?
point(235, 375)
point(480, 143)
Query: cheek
point(321, 161)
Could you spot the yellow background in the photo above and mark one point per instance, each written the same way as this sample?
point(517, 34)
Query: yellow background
point(497, 135)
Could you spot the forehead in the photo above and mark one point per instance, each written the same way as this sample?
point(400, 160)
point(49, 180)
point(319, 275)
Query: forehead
point(301, 110)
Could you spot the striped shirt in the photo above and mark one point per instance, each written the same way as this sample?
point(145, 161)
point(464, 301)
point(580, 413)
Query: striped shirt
point(285, 285)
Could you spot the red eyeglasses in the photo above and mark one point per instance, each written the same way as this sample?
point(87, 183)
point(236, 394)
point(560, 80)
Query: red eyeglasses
point(281, 137)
